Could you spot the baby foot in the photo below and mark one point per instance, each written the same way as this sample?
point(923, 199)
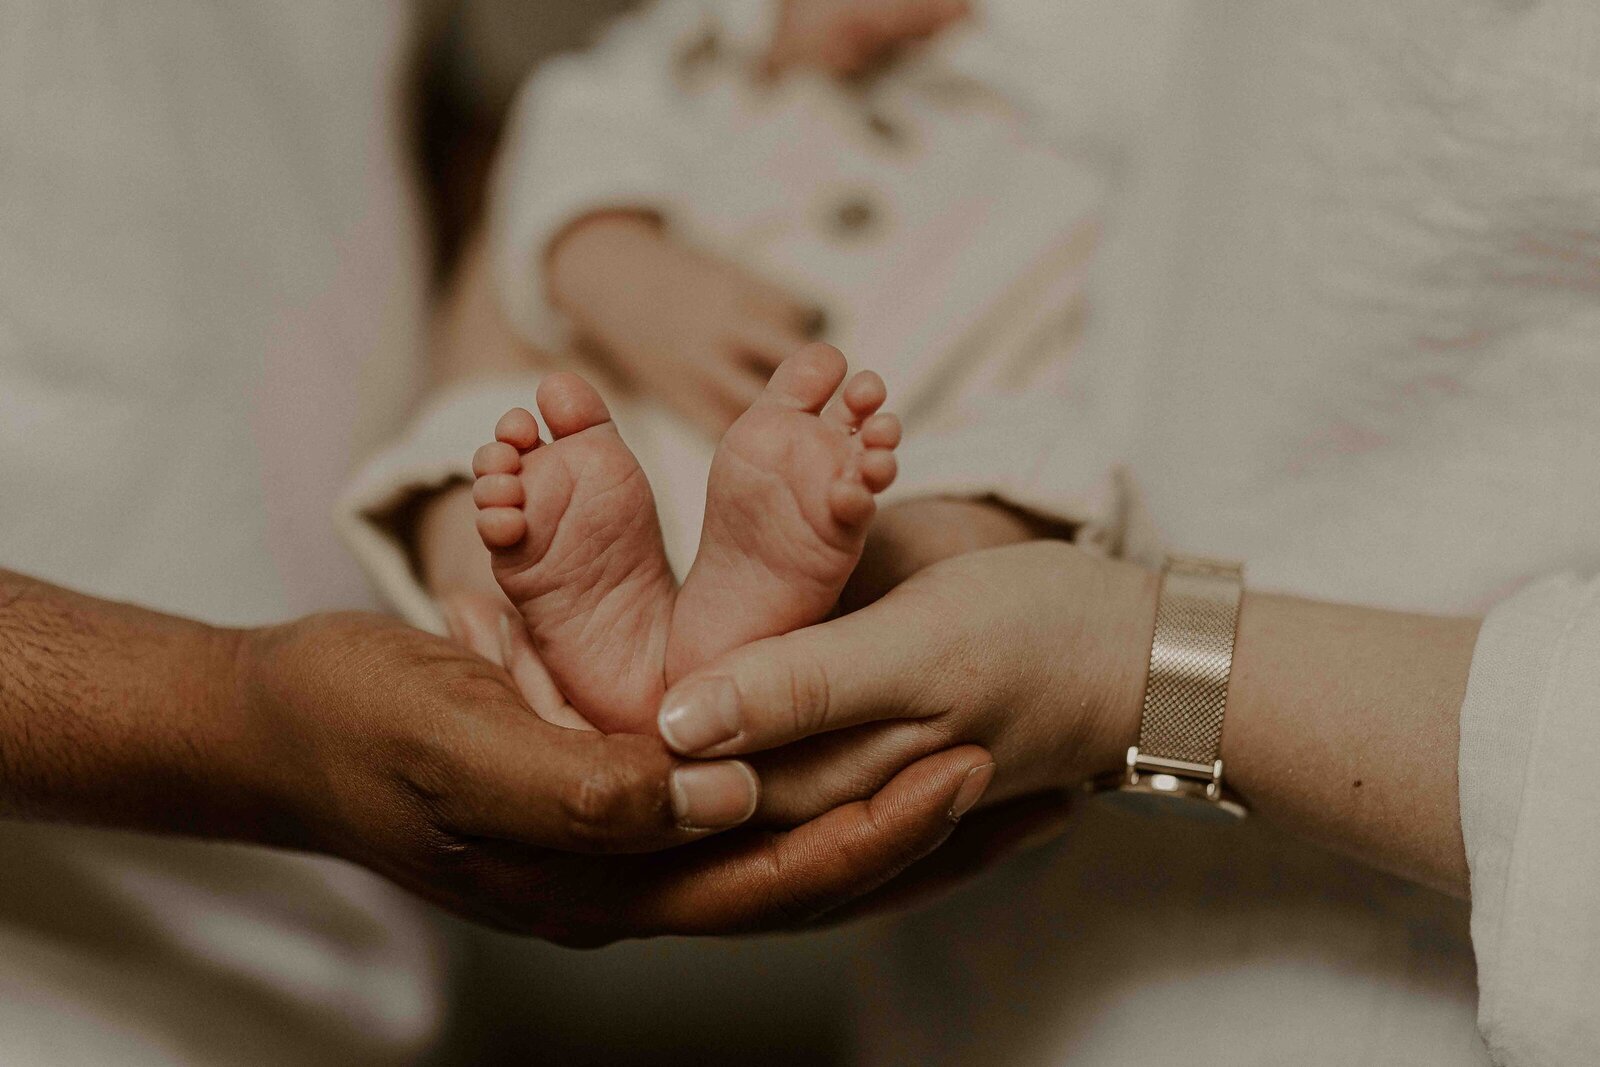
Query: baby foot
point(575, 543)
point(787, 507)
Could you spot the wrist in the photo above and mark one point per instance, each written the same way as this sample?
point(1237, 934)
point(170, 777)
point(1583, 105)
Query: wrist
point(1130, 629)
point(1106, 662)
point(262, 778)
point(1343, 724)
point(113, 715)
point(917, 533)
point(1063, 651)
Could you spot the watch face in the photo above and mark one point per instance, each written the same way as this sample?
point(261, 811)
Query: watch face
point(1176, 805)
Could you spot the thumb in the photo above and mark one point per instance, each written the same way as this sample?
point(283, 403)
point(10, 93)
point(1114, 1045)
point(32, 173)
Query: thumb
point(882, 662)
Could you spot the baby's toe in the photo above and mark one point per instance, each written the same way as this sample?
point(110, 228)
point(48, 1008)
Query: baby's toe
point(862, 395)
point(881, 431)
point(497, 457)
point(519, 429)
point(807, 379)
point(570, 405)
point(498, 491)
point(501, 527)
point(850, 502)
point(878, 468)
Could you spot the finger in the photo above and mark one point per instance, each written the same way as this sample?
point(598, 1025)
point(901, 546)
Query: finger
point(749, 882)
point(802, 781)
point(533, 678)
point(531, 782)
point(822, 678)
point(981, 841)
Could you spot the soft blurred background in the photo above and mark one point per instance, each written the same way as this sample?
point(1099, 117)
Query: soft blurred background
point(667, 1002)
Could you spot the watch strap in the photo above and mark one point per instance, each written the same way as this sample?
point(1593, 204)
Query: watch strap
point(1191, 660)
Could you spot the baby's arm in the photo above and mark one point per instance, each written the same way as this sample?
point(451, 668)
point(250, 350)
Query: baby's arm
point(692, 330)
point(583, 209)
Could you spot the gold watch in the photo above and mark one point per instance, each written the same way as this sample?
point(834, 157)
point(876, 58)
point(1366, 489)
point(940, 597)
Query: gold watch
point(1177, 762)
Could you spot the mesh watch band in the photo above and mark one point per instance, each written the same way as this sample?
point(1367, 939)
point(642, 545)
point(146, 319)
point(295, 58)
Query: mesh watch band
point(1191, 658)
point(1179, 754)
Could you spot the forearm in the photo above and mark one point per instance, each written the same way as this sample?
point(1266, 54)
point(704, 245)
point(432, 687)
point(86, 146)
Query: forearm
point(908, 536)
point(1343, 724)
point(580, 262)
point(111, 715)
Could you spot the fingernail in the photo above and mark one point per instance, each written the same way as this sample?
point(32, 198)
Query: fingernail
point(972, 790)
point(714, 796)
point(699, 715)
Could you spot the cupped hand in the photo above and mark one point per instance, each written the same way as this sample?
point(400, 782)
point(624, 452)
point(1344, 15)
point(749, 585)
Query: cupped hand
point(415, 757)
point(1035, 651)
point(689, 329)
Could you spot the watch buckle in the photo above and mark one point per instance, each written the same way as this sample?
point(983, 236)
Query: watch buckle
point(1171, 777)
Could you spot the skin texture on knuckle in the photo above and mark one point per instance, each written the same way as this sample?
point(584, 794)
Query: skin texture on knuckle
point(604, 806)
point(809, 696)
point(425, 778)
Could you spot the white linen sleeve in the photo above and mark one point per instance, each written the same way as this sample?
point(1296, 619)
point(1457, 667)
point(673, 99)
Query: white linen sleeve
point(586, 133)
point(435, 451)
point(1026, 451)
point(600, 130)
point(1530, 744)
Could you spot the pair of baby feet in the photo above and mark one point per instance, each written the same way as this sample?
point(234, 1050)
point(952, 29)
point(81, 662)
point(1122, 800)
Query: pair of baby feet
point(572, 530)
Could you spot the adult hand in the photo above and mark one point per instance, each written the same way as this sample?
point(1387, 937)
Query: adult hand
point(910, 535)
point(1036, 651)
point(699, 333)
point(846, 37)
point(416, 758)
point(804, 780)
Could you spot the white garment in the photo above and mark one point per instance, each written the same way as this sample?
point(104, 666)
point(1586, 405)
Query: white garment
point(1341, 328)
point(944, 237)
point(922, 214)
point(1345, 333)
point(209, 297)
